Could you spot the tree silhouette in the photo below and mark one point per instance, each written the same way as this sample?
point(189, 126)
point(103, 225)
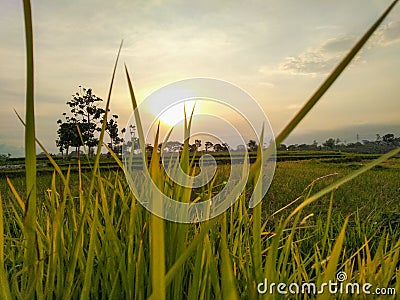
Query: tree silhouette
point(329, 143)
point(194, 147)
point(252, 146)
point(87, 115)
point(68, 136)
point(224, 147)
point(113, 132)
point(208, 145)
point(388, 138)
point(85, 119)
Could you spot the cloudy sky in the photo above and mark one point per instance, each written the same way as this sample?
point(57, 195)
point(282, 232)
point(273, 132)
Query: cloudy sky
point(278, 51)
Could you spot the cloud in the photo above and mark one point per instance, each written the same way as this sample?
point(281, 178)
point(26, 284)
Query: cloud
point(387, 34)
point(319, 60)
point(322, 59)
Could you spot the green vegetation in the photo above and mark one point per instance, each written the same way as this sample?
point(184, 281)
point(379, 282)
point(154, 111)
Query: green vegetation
point(85, 120)
point(381, 145)
point(85, 235)
point(114, 234)
point(365, 193)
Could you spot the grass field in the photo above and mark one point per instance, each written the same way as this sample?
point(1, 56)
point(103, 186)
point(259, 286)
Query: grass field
point(365, 193)
point(118, 224)
point(84, 235)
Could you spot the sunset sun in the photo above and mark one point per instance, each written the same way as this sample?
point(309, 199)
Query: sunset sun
point(175, 113)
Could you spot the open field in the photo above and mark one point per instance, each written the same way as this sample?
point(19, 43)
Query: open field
point(115, 223)
point(374, 195)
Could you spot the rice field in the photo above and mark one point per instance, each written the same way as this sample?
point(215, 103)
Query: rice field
point(114, 232)
point(84, 235)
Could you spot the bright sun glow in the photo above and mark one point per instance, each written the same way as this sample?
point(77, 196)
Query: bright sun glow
point(164, 108)
point(175, 114)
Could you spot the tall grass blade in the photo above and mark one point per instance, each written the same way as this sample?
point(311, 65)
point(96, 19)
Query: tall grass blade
point(257, 194)
point(330, 271)
point(188, 251)
point(5, 288)
point(30, 153)
point(90, 256)
point(75, 249)
point(103, 126)
point(229, 290)
point(139, 126)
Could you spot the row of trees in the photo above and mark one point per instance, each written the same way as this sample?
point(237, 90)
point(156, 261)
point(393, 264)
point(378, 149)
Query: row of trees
point(81, 125)
point(381, 144)
point(176, 146)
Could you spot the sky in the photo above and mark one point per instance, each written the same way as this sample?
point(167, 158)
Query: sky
point(277, 51)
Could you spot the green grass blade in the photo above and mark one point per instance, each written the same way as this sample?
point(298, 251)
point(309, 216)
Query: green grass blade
point(75, 249)
point(255, 174)
point(157, 232)
point(330, 271)
point(139, 127)
point(213, 269)
point(188, 251)
point(5, 288)
point(90, 257)
point(103, 126)
point(229, 290)
point(331, 79)
point(30, 152)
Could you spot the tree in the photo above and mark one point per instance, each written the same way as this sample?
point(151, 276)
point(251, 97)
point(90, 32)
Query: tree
point(113, 132)
point(133, 143)
point(194, 147)
point(84, 121)
point(217, 147)
point(171, 146)
point(378, 138)
point(149, 148)
point(208, 145)
point(282, 147)
point(252, 146)
point(197, 143)
point(224, 147)
point(329, 143)
point(68, 136)
point(388, 138)
point(87, 114)
point(6, 156)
